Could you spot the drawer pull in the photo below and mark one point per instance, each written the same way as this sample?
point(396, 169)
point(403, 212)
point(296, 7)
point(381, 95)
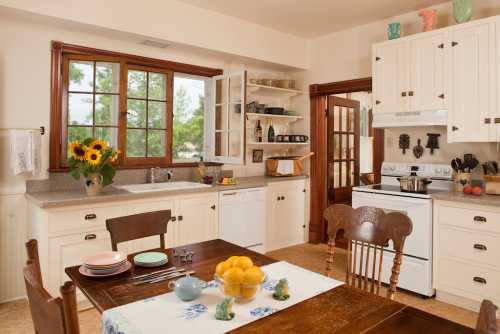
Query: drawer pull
point(480, 247)
point(479, 280)
point(480, 219)
point(90, 216)
point(90, 236)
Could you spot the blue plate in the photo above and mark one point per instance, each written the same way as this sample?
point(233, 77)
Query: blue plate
point(150, 259)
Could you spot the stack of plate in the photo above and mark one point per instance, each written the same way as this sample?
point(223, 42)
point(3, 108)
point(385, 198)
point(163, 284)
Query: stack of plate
point(150, 259)
point(105, 264)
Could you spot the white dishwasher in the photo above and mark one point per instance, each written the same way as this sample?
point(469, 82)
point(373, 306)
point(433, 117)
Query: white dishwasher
point(242, 217)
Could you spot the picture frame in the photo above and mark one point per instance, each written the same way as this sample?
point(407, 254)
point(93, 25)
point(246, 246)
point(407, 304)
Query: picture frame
point(257, 156)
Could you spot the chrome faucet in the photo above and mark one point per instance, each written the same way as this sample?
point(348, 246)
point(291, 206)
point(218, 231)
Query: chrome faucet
point(153, 176)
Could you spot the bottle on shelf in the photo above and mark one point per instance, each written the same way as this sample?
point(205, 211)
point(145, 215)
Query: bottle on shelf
point(270, 132)
point(258, 132)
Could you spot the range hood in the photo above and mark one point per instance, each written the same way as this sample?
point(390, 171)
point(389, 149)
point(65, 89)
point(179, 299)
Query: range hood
point(410, 118)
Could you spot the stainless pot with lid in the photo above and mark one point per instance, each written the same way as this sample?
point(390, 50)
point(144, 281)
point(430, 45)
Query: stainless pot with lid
point(413, 183)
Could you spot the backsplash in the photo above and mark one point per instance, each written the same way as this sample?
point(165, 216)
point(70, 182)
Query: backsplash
point(64, 181)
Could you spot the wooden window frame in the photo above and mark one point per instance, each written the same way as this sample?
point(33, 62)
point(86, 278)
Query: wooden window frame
point(62, 52)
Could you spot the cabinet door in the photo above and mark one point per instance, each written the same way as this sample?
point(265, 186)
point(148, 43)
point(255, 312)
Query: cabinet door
point(67, 251)
point(469, 85)
point(426, 73)
point(286, 223)
point(197, 219)
point(154, 241)
point(390, 78)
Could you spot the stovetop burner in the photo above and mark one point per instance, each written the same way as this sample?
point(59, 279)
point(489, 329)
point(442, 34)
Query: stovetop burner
point(396, 190)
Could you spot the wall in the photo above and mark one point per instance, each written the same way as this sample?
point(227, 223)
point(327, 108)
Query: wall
point(347, 55)
point(24, 102)
point(177, 22)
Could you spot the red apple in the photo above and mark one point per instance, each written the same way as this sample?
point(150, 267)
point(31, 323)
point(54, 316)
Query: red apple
point(468, 190)
point(477, 191)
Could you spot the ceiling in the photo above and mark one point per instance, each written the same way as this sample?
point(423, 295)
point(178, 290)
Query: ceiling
point(312, 18)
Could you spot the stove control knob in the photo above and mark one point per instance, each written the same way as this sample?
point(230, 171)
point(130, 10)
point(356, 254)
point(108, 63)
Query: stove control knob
point(438, 171)
point(447, 171)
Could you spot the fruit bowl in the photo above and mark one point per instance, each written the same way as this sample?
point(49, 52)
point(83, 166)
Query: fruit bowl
point(241, 292)
point(239, 278)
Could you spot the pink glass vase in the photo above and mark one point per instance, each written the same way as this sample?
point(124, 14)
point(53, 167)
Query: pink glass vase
point(429, 19)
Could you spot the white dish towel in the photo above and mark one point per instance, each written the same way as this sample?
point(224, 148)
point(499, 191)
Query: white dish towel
point(25, 151)
point(285, 167)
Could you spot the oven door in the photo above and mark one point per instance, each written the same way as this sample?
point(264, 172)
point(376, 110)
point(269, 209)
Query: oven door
point(419, 242)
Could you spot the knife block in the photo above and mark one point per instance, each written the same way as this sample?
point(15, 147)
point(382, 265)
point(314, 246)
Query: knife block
point(462, 180)
point(492, 184)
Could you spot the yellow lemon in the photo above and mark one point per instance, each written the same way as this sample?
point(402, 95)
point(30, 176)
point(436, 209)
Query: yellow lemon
point(221, 268)
point(233, 275)
point(233, 290)
point(231, 260)
point(253, 275)
point(248, 292)
point(243, 262)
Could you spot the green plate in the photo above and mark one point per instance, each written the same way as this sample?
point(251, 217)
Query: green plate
point(150, 259)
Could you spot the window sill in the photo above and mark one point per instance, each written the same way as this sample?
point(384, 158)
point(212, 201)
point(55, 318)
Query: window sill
point(173, 165)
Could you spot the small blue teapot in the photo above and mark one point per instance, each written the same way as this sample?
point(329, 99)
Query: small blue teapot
point(187, 288)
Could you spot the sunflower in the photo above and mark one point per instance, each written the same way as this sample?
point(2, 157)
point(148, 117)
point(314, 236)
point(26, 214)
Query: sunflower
point(93, 156)
point(98, 145)
point(77, 151)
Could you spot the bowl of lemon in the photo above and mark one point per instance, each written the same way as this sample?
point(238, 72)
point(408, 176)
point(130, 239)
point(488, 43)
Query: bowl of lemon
point(239, 278)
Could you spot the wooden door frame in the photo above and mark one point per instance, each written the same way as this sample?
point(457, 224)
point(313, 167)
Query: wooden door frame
point(318, 94)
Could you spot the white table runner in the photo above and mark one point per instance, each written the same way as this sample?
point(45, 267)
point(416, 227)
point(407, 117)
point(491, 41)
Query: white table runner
point(167, 314)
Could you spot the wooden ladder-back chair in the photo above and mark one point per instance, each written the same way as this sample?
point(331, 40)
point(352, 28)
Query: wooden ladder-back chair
point(487, 319)
point(367, 229)
point(50, 315)
point(32, 253)
point(138, 226)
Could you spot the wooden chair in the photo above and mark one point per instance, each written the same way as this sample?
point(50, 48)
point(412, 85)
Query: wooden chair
point(32, 252)
point(50, 315)
point(138, 226)
point(487, 319)
point(367, 229)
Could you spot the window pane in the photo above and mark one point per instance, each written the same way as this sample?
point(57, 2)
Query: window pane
point(220, 91)
point(235, 117)
point(107, 77)
point(188, 126)
point(81, 76)
point(156, 143)
point(136, 114)
point(78, 133)
point(157, 86)
point(336, 118)
point(136, 84)
point(106, 109)
point(234, 144)
point(157, 115)
point(235, 85)
point(136, 143)
point(80, 109)
point(109, 135)
point(221, 143)
point(220, 118)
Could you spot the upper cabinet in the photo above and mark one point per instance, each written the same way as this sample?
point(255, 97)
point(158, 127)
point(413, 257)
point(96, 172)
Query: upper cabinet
point(453, 71)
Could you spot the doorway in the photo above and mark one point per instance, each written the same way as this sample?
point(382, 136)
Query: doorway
point(349, 152)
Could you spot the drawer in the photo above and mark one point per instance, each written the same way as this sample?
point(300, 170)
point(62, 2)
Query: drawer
point(477, 219)
point(477, 247)
point(473, 282)
point(77, 220)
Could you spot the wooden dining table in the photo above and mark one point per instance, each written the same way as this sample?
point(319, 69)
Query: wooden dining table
point(340, 310)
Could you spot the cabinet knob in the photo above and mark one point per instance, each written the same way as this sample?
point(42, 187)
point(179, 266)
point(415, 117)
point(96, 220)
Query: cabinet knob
point(212, 207)
point(441, 96)
point(279, 198)
point(454, 43)
point(377, 58)
point(487, 121)
point(480, 247)
point(480, 219)
point(377, 102)
point(441, 46)
point(411, 93)
point(90, 236)
point(180, 218)
point(497, 120)
point(282, 198)
point(174, 218)
point(403, 94)
point(90, 216)
point(454, 128)
point(479, 280)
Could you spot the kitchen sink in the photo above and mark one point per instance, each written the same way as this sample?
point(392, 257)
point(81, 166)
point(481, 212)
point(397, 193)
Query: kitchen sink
point(165, 186)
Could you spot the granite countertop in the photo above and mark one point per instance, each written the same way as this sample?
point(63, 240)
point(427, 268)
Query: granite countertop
point(455, 196)
point(56, 199)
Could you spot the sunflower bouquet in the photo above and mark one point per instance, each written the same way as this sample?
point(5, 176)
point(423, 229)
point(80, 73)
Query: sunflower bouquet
point(90, 158)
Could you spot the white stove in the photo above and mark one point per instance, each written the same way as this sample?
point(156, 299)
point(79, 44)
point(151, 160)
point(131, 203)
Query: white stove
point(416, 270)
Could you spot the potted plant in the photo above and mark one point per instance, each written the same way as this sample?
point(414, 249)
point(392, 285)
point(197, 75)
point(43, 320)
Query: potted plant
point(93, 158)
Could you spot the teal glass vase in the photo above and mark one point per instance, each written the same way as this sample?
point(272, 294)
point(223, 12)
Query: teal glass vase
point(394, 30)
point(462, 10)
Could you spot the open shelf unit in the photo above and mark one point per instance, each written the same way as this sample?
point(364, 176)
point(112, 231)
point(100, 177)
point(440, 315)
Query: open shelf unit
point(289, 118)
point(262, 89)
point(276, 144)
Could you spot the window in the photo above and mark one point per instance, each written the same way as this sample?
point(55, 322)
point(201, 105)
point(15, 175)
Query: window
point(128, 101)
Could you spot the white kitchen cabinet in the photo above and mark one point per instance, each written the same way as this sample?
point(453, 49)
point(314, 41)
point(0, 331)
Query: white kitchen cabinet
point(390, 78)
point(469, 67)
point(426, 90)
point(197, 219)
point(286, 222)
